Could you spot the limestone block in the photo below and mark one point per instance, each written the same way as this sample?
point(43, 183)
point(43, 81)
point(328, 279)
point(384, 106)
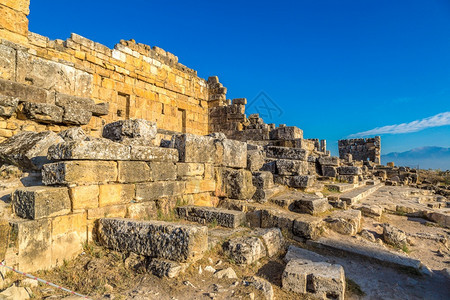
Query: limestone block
point(349, 170)
point(112, 194)
point(244, 250)
point(156, 239)
point(134, 171)
point(203, 215)
point(234, 183)
point(157, 154)
point(28, 150)
point(291, 167)
point(263, 180)
point(39, 202)
point(76, 116)
point(311, 205)
point(317, 279)
point(65, 100)
point(307, 227)
point(255, 160)
point(13, 20)
point(345, 222)
point(200, 186)
point(329, 171)
point(329, 161)
point(194, 148)
point(286, 153)
point(286, 133)
point(189, 170)
point(278, 218)
point(143, 211)
point(264, 286)
point(43, 112)
point(69, 233)
point(4, 236)
point(300, 181)
point(96, 149)
point(131, 132)
point(100, 109)
point(26, 92)
point(394, 236)
point(73, 134)
point(155, 190)
point(84, 197)
point(164, 268)
point(230, 153)
point(115, 211)
point(32, 243)
point(272, 238)
point(8, 105)
point(7, 62)
point(79, 172)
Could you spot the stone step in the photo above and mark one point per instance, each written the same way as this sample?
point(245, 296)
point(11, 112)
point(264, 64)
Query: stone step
point(376, 253)
point(341, 187)
point(203, 215)
point(358, 194)
point(155, 239)
point(302, 203)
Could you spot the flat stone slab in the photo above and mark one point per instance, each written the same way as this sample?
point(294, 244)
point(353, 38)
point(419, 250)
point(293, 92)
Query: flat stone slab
point(97, 149)
point(203, 215)
point(358, 194)
point(302, 203)
point(39, 202)
point(300, 253)
point(132, 131)
point(317, 279)
point(156, 239)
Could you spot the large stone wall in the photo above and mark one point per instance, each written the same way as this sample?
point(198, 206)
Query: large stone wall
point(137, 81)
point(361, 149)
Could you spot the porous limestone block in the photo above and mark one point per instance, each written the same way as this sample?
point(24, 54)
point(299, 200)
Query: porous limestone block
point(84, 197)
point(32, 242)
point(329, 171)
point(76, 116)
point(298, 181)
point(144, 211)
point(96, 149)
point(311, 205)
point(39, 202)
point(164, 268)
point(263, 180)
point(114, 211)
point(345, 222)
point(200, 186)
point(272, 238)
point(349, 170)
point(73, 134)
point(156, 239)
point(154, 154)
point(131, 132)
point(28, 150)
point(244, 250)
point(234, 183)
point(155, 190)
point(194, 148)
point(69, 233)
point(79, 172)
point(113, 194)
point(286, 133)
point(8, 105)
point(255, 160)
point(203, 215)
point(317, 279)
point(134, 171)
point(43, 112)
point(190, 170)
point(394, 236)
point(329, 161)
point(230, 153)
point(286, 153)
point(163, 171)
point(307, 227)
point(291, 167)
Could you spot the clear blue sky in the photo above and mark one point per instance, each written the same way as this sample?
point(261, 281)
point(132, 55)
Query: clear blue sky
point(334, 68)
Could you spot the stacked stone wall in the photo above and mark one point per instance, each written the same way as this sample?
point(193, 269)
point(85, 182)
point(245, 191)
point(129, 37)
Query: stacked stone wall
point(361, 149)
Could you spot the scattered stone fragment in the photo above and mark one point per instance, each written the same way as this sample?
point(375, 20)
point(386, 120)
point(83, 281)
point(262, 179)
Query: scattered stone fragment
point(272, 238)
point(345, 222)
point(226, 273)
point(262, 285)
point(244, 250)
point(132, 131)
point(394, 236)
point(210, 269)
point(8, 105)
point(15, 293)
point(164, 268)
point(73, 134)
point(368, 235)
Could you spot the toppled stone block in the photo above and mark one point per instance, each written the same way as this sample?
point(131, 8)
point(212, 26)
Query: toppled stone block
point(255, 160)
point(73, 134)
point(234, 183)
point(203, 215)
point(79, 172)
point(372, 211)
point(156, 154)
point(299, 181)
point(96, 149)
point(345, 222)
point(156, 190)
point(349, 170)
point(303, 254)
point(329, 160)
point(286, 153)
point(8, 105)
point(307, 227)
point(28, 150)
point(43, 112)
point(272, 238)
point(76, 116)
point(442, 219)
point(194, 148)
point(131, 132)
point(156, 239)
point(244, 250)
point(286, 133)
point(164, 268)
point(394, 236)
point(100, 109)
point(311, 205)
point(318, 279)
point(39, 202)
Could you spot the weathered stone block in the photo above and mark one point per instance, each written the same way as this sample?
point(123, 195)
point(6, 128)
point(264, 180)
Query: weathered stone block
point(134, 171)
point(43, 112)
point(286, 133)
point(329, 161)
point(39, 202)
point(345, 222)
point(203, 215)
point(112, 194)
point(190, 169)
point(255, 160)
point(76, 116)
point(181, 243)
point(164, 268)
point(311, 205)
point(115, 211)
point(329, 171)
point(155, 190)
point(97, 149)
point(291, 167)
point(28, 150)
point(394, 236)
point(299, 181)
point(84, 197)
point(4, 236)
point(277, 218)
point(307, 227)
point(143, 211)
point(349, 170)
point(8, 105)
point(234, 183)
point(244, 250)
point(73, 134)
point(157, 154)
point(131, 132)
point(200, 186)
point(79, 172)
point(286, 153)
point(272, 238)
point(263, 180)
point(100, 109)
point(25, 92)
point(230, 153)
point(194, 148)
point(318, 279)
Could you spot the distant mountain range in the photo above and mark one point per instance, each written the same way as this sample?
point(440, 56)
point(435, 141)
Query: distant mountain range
point(425, 157)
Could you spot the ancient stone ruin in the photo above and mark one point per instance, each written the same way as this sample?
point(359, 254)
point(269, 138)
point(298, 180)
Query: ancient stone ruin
point(128, 149)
